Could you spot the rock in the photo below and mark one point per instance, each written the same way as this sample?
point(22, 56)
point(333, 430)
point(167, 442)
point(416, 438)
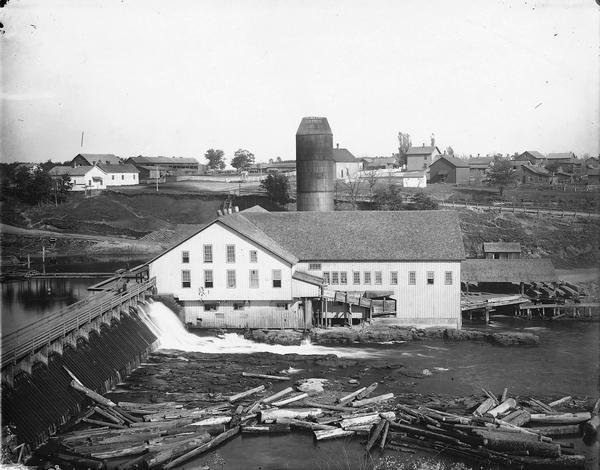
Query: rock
point(353, 382)
point(311, 386)
point(427, 372)
point(283, 337)
point(506, 339)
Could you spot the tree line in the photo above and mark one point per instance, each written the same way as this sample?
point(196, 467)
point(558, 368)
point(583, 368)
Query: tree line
point(32, 184)
point(242, 159)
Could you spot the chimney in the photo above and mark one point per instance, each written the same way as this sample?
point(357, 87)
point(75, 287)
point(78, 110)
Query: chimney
point(219, 212)
point(236, 208)
point(433, 140)
point(423, 144)
point(337, 146)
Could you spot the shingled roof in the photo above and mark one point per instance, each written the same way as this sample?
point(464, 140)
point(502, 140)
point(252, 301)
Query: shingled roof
point(455, 162)
point(343, 155)
point(141, 160)
point(125, 168)
point(510, 270)
point(560, 156)
point(424, 150)
point(502, 247)
point(68, 170)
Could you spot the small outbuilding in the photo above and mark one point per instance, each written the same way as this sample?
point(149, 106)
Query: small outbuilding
point(502, 250)
point(447, 169)
point(535, 175)
point(346, 165)
point(91, 159)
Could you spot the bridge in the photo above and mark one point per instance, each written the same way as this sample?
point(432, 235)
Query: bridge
point(99, 339)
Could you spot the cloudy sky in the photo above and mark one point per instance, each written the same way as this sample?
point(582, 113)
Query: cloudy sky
point(176, 78)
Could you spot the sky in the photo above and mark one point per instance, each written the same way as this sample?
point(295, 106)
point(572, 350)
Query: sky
point(177, 78)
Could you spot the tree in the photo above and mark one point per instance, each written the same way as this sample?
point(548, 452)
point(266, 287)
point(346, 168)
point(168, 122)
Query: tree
point(278, 160)
point(450, 151)
point(371, 177)
point(388, 199)
point(349, 188)
point(553, 166)
point(215, 159)
point(242, 160)
point(501, 174)
point(404, 144)
point(422, 202)
point(277, 187)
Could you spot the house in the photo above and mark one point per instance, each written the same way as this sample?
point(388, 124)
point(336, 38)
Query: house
point(420, 158)
point(91, 159)
point(562, 177)
point(498, 275)
point(531, 156)
point(559, 157)
point(535, 175)
point(168, 166)
point(120, 175)
point(379, 163)
point(502, 250)
point(593, 176)
point(284, 166)
point(83, 177)
point(150, 174)
point(447, 169)
point(259, 269)
point(478, 168)
point(346, 165)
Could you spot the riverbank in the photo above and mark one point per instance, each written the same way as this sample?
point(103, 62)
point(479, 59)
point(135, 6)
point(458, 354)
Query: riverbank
point(381, 333)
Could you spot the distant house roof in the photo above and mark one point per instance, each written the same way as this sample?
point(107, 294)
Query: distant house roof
point(510, 270)
point(455, 162)
point(379, 160)
point(68, 170)
point(424, 150)
point(163, 160)
point(125, 168)
point(536, 170)
point(593, 172)
point(93, 158)
point(256, 208)
point(560, 156)
point(343, 156)
point(482, 162)
point(502, 247)
point(308, 278)
point(286, 164)
point(533, 153)
point(410, 174)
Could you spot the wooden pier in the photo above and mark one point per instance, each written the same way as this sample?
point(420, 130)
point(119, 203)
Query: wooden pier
point(556, 311)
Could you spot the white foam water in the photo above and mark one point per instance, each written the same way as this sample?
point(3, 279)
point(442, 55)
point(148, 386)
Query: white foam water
point(171, 334)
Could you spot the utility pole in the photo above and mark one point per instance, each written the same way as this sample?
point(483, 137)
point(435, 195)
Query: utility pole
point(81, 139)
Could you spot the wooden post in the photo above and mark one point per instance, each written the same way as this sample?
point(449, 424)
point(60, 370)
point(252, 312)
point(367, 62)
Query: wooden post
point(487, 315)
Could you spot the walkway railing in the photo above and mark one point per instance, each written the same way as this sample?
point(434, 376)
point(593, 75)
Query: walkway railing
point(524, 209)
point(30, 338)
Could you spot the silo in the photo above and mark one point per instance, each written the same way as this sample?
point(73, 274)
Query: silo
point(315, 168)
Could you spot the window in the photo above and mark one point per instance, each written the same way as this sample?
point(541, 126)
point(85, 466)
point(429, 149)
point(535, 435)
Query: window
point(210, 307)
point(430, 278)
point(326, 277)
point(122, 177)
point(231, 253)
point(277, 278)
point(335, 277)
point(343, 277)
point(185, 257)
point(448, 278)
point(231, 279)
point(367, 277)
point(281, 306)
point(378, 277)
point(208, 254)
point(238, 306)
point(113, 177)
point(208, 278)
point(253, 256)
point(186, 279)
point(356, 277)
point(394, 277)
point(314, 266)
point(412, 278)
point(254, 278)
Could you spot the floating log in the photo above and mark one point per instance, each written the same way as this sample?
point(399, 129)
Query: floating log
point(212, 421)
point(533, 448)
point(91, 394)
point(173, 452)
point(203, 448)
point(103, 423)
point(490, 395)
point(384, 434)
point(149, 406)
point(425, 433)
point(559, 402)
point(563, 418)
point(518, 417)
point(326, 406)
point(266, 428)
point(504, 395)
point(119, 453)
point(366, 419)
point(369, 401)
point(275, 414)
point(253, 407)
point(301, 424)
point(503, 407)
point(352, 396)
point(290, 400)
point(564, 462)
point(485, 406)
point(332, 434)
point(375, 435)
point(245, 394)
point(264, 376)
point(370, 389)
point(107, 415)
point(78, 461)
point(542, 405)
point(277, 395)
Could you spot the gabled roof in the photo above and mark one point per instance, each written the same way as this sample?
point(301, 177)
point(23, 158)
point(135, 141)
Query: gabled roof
point(538, 170)
point(68, 170)
point(343, 155)
point(308, 278)
point(163, 160)
point(510, 270)
point(424, 150)
point(100, 157)
point(560, 156)
point(314, 126)
point(125, 168)
point(256, 208)
point(534, 153)
point(482, 162)
point(363, 235)
point(502, 247)
point(379, 160)
point(455, 162)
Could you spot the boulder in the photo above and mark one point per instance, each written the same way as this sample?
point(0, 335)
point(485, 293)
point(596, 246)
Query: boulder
point(311, 386)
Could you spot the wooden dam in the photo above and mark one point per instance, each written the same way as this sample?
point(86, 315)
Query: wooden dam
point(96, 340)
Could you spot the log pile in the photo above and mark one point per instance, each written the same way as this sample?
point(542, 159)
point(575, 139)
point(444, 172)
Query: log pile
point(498, 429)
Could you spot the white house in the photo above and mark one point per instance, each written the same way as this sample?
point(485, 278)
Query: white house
point(259, 269)
point(120, 175)
point(83, 177)
point(347, 166)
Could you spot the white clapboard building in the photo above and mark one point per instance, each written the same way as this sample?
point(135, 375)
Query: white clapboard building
point(260, 269)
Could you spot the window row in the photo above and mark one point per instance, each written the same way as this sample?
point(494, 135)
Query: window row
point(230, 278)
point(207, 255)
point(376, 278)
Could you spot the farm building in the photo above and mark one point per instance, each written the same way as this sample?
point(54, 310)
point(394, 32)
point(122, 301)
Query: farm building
point(535, 175)
point(83, 177)
point(419, 158)
point(593, 176)
point(379, 163)
point(502, 250)
point(168, 165)
point(478, 168)
point(91, 159)
point(259, 269)
point(531, 156)
point(120, 175)
point(411, 179)
point(346, 165)
point(447, 169)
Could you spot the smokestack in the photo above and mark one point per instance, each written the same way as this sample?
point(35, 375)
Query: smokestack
point(337, 146)
point(433, 140)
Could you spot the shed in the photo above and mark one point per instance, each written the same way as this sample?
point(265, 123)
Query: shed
point(448, 169)
point(510, 270)
point(502, 250)
point(535, 175)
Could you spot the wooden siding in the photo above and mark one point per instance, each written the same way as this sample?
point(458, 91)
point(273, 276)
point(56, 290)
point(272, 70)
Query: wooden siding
point(304, 289)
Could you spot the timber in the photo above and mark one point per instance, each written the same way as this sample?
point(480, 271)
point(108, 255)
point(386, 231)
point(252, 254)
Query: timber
point(375, 435)
point(264, 376)
point(568, 430)
point(332, 434)
point(290, 400)
point(276, 414)
point(177, 450)
point(203, 448)
point(277, 395)
point(370, 401)
point(563, 418)
point(279, 427)
point(245, 394)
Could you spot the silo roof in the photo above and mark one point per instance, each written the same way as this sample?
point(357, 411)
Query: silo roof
point(314, 125)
